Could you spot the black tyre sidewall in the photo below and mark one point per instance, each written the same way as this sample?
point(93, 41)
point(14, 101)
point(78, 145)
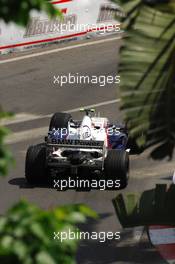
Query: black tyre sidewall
point(116, 166)
point(59, 120)
point(35, 165)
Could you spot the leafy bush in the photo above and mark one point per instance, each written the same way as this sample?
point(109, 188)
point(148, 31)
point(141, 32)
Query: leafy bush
point(27, 234)
point(5, 155)
point(19, 11)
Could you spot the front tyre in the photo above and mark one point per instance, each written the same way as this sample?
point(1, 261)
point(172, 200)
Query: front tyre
point(35, 165)
point(116, 166)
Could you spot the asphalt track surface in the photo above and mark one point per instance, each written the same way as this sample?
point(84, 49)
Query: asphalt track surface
point(27, 89)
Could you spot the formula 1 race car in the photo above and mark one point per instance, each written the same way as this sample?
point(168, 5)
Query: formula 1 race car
point(73, 147)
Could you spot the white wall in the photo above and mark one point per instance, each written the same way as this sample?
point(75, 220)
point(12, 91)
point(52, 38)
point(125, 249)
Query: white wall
point(42, 30)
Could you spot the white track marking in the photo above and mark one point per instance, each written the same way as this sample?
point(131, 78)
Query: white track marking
point(94, 105)
point(17, 137)
point(22, 117)
point(162, 236)
point(19, 118)
point(59, 50)
point(26, 135)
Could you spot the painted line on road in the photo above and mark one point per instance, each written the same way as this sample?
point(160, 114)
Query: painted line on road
point(59, 50)
point(17, 137)
point(26, 135)
point(24, 117)
point(19, 118)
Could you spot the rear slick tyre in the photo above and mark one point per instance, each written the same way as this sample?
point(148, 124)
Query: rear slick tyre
point(35, 165)
point(116, 166)
point(59, 120)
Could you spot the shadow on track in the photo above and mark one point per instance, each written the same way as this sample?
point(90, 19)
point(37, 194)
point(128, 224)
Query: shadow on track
point(22, 183)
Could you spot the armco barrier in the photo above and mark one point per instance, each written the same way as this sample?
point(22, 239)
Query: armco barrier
point(82, 18)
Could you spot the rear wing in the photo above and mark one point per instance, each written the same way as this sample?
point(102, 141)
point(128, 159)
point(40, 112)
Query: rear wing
point(64, 143)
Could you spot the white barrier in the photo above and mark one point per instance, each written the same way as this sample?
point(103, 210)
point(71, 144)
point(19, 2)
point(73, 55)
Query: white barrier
point(81, 18)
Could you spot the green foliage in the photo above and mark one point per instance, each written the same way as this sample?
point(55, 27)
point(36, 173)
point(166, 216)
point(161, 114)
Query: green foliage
point(19, 11)
point(27, 234)
point(152, 207)
point(5, 155)
point(147, 70)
